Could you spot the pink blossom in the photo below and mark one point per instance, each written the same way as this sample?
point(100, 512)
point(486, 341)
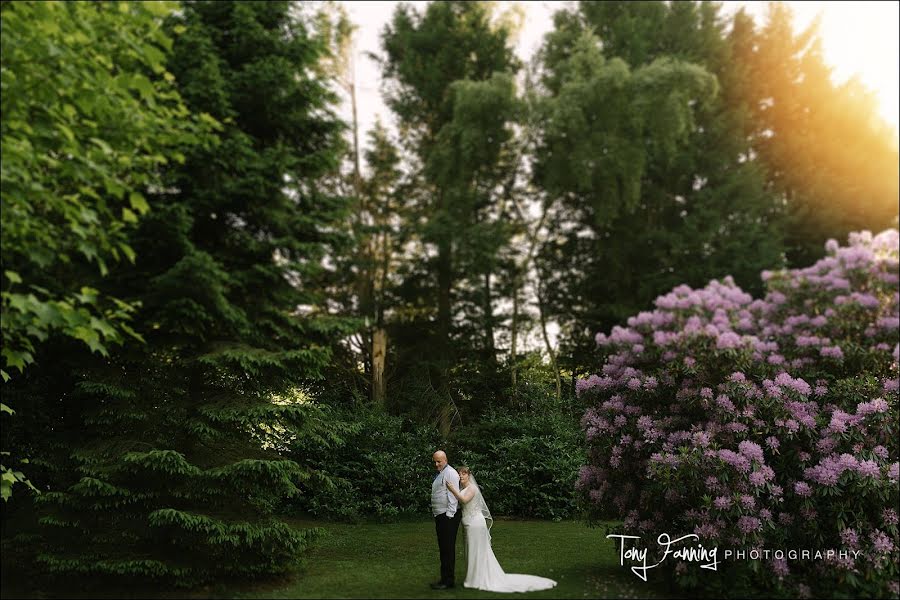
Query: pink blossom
point(801, 488)
point(832, 352)
point(748, 524)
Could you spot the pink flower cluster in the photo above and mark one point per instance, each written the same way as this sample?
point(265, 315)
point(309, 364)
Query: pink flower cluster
point(717, 411)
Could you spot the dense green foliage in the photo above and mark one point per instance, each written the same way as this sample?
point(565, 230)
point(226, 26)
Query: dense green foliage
point(379, 467)
point(644, 152)
point(163, 464)
point(75, 161)
point(90, 114)
point(454, 99)
point(526, 463)
point(216, 307)
point(650, 148)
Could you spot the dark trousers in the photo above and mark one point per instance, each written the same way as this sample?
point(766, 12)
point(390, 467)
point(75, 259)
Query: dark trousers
point(447, 529)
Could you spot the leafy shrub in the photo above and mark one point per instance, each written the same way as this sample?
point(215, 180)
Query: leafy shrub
point(381, 467)
point(768, 423)
point(526, 463)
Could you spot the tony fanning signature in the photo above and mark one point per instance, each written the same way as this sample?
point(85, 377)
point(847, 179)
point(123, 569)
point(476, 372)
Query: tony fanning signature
point(698, 554)
point(707, 556)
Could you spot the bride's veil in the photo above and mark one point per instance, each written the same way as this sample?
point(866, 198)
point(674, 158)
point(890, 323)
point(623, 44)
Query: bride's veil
point(481, 504)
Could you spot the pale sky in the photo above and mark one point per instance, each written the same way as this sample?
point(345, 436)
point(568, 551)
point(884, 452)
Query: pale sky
point(858, 38)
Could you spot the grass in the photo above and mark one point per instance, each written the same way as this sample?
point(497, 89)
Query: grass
point(400, 560)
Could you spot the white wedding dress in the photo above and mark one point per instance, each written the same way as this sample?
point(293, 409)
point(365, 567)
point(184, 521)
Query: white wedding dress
point(483, 571)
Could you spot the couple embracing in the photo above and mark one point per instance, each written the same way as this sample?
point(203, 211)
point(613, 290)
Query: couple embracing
point(456, 498)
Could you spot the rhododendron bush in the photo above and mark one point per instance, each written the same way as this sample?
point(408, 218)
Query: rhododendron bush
point(765, 424)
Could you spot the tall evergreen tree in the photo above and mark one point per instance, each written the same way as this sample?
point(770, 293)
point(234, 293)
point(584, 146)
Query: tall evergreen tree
point(171, 471)
point(449, 82)
point(648, 165)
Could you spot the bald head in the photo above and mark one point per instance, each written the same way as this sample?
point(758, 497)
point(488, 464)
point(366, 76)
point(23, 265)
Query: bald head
point(440, 460)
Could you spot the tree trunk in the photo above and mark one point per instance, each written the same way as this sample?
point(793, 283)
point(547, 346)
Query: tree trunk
point(513, 341)
point(445, 283)
point(356, 170)
point(440, 352)
point(489, 321)
point(379, 350)
point(550, 350)
point(379, 338)
point(444, 420)
point(367, 284)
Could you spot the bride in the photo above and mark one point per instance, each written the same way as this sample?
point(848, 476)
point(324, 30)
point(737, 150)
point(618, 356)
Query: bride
point(484, 572)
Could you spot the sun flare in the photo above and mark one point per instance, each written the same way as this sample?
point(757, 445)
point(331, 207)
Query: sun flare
point(858, 38)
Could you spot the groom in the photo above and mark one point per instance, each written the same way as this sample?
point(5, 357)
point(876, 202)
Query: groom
point(445, 508)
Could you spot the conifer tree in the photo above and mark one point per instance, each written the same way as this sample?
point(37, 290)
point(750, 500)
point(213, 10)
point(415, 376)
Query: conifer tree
point(169, 468)
point(449, 74)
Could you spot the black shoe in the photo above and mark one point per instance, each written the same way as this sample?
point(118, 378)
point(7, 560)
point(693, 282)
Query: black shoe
point(440, 585)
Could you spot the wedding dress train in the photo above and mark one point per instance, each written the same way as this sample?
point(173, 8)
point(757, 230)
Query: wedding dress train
point(483, 571)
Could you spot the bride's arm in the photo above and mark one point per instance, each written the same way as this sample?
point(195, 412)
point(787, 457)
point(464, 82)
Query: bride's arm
point(464, 496)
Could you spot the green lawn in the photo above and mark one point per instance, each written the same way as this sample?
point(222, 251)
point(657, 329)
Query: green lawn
point(400, 560)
